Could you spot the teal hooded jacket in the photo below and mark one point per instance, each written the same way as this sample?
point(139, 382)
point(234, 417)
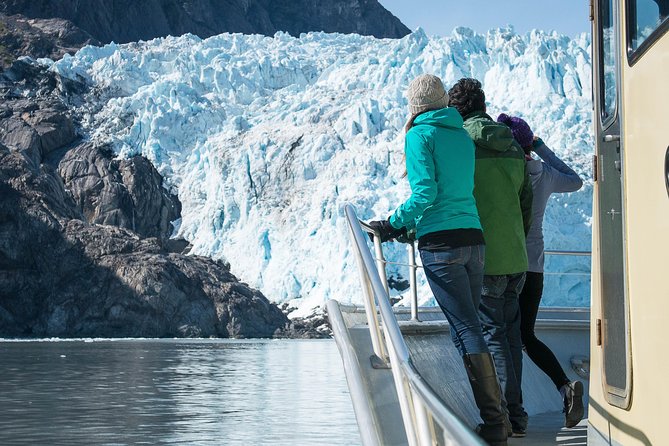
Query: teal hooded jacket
point(440, 168)
point(503, 194)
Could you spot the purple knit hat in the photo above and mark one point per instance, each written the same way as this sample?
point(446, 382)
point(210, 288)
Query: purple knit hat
point(521, 131)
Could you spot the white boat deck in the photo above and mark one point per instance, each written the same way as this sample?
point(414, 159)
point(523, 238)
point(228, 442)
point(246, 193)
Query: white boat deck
point(546, 429)
point(434, 356)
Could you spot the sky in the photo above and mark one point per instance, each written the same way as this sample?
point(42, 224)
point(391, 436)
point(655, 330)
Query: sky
point(440, 17)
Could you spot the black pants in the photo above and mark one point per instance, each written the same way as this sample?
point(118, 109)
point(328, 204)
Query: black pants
point(538, 352)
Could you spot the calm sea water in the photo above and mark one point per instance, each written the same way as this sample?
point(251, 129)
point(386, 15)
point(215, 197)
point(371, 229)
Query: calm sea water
point(187, 392)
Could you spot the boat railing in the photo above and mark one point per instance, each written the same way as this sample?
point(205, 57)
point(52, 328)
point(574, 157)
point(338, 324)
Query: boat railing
point(413, 266)
point(422, 409)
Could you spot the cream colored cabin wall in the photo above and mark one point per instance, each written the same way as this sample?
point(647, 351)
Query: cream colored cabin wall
point(645, 134)
point(646, 137)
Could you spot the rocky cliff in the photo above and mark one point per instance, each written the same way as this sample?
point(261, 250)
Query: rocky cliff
point(84, 247)
point(124, 21)
point(20, 36)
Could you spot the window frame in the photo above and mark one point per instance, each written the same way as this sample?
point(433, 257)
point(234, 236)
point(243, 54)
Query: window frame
point(633, 55)
point(606, 120)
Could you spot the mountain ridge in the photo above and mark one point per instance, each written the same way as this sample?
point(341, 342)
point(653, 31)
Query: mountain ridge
point(124, 21)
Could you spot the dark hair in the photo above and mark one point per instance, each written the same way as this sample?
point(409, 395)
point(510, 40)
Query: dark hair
point(467, 96)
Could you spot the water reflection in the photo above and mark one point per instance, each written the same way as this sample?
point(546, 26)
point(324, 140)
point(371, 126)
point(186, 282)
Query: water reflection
point(196, 392)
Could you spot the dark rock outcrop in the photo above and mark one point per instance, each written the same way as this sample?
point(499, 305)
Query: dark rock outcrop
point(62, 274)
point(51, 37)
point(315, 326)
point(127, 193)
point(124, 21)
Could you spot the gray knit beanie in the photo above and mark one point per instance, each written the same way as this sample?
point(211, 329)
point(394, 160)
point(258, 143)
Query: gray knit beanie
point(425, 93)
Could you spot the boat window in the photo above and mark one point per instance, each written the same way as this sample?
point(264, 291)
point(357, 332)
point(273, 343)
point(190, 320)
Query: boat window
point(607, 62)
point(647, 20)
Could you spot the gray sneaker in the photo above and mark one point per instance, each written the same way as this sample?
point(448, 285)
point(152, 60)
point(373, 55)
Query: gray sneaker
point(572, 396)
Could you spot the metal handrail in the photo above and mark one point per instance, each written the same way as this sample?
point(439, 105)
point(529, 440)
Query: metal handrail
point(421, 407)
point(557, 252)
point(381, 262)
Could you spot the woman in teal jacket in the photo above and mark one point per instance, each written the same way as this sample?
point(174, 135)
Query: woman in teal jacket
point(440, 168)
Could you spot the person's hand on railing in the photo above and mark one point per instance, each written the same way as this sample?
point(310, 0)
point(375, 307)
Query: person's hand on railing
point(408, 237)
point(385, 230)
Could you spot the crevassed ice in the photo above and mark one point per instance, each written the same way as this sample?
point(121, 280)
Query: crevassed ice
point(265, 138)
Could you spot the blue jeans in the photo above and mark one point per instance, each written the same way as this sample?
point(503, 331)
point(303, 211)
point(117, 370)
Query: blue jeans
point(500, 319)
point(455, 277)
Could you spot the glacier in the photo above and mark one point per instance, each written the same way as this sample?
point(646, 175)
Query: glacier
point(264, 139)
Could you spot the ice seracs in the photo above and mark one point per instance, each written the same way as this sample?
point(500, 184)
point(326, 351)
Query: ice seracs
point(265, 138)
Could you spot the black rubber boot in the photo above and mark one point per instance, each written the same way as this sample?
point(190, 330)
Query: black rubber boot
point(487, 394)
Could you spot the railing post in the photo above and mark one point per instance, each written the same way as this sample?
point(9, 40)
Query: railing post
point(422, 423)
point(370, 308)
point(381, 263)
point(413, 287)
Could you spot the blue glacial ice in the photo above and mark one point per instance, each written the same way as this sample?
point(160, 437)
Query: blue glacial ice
point(265, 138)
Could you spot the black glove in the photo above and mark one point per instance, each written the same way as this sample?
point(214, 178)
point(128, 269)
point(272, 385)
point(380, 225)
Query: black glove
point(386, 230)
point(407, 236)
